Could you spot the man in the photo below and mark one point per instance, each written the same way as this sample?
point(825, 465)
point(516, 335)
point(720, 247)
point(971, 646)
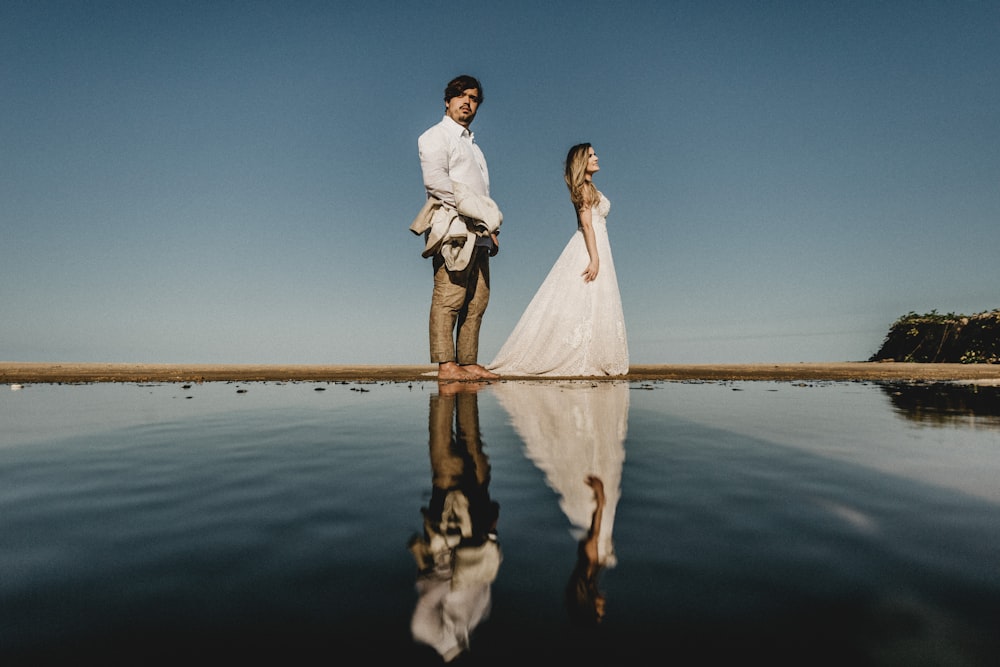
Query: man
point(448, 155)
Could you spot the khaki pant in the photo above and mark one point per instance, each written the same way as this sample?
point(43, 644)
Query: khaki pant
point(457, 306)
point(456, 447)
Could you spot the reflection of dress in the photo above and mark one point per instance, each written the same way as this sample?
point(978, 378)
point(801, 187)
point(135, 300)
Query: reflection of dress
point(571, 430)
point(572, 327)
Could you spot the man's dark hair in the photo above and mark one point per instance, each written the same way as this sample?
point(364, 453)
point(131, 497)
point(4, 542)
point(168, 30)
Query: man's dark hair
point(460, 84)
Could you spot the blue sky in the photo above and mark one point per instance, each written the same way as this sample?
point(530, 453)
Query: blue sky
point(232, 182)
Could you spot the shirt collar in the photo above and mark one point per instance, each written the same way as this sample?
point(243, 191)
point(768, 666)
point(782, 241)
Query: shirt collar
point(456, 128)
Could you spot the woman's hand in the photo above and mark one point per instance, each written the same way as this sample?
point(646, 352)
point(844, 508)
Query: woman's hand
point(590, 273)
point(594, 482)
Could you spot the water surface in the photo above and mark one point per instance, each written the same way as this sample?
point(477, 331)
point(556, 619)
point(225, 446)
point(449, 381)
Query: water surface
point(800, 523)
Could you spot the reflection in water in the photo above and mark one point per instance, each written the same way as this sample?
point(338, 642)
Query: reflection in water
point(943, 403)
point(458, 555)
point(575, 433)
point(798, 525)
point(584, 600)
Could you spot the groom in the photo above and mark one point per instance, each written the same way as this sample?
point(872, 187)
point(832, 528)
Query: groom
point(448, 153)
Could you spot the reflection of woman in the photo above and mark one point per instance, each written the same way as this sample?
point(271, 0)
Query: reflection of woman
point(457, 554)
point(574, 325)
point(575, 433)
point(584, 600)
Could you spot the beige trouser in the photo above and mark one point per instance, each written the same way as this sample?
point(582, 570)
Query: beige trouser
point(459, 298)
point(456, 448)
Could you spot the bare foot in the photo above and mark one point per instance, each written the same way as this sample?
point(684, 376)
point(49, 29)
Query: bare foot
point(449, 370)
point(478, 371)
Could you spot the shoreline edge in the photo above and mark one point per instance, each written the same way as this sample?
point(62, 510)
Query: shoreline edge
point(68, 372)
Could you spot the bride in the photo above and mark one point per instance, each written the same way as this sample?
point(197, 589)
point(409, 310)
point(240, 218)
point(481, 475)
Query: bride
point(574, 325)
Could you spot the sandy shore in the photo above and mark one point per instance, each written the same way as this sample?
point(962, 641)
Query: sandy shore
point(39, 372)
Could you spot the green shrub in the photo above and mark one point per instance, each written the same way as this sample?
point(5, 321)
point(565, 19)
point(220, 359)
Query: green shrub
point(936, 338)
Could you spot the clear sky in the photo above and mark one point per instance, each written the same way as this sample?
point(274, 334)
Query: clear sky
point(232, 182)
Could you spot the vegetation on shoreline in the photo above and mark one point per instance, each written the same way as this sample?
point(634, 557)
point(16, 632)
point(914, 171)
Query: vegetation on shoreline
point(937, 338)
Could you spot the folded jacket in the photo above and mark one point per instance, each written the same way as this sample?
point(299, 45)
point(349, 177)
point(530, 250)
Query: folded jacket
point(451, 231)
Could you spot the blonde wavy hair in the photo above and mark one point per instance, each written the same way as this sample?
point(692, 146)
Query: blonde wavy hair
point(582, 192)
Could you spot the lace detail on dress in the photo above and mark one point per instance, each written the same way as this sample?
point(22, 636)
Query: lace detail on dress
point(603, 207)
point(571, 327)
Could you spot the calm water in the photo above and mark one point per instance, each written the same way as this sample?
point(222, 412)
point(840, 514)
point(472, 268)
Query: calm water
point(798, 523)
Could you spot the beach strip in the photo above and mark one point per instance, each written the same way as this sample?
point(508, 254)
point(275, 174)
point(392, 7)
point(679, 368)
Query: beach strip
point(69, 372)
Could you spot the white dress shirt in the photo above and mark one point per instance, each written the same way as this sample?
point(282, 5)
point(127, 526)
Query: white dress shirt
point(448, 152)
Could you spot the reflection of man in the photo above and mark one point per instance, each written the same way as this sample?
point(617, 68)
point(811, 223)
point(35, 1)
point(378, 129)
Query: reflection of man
point(449, 155)
point(458, 554)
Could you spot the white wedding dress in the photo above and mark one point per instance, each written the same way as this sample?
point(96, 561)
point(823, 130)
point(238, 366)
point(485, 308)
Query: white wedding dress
point(571, 327)
point(572, 429)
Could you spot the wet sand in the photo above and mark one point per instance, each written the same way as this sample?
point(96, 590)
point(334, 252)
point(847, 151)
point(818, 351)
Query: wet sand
point(60, 372)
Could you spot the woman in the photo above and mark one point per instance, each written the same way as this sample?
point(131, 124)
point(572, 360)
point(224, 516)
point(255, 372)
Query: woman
point(574, 325)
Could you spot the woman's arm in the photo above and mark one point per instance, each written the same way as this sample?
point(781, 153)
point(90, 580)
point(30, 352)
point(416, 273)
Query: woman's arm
point(584, 218)
point(593, 535)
